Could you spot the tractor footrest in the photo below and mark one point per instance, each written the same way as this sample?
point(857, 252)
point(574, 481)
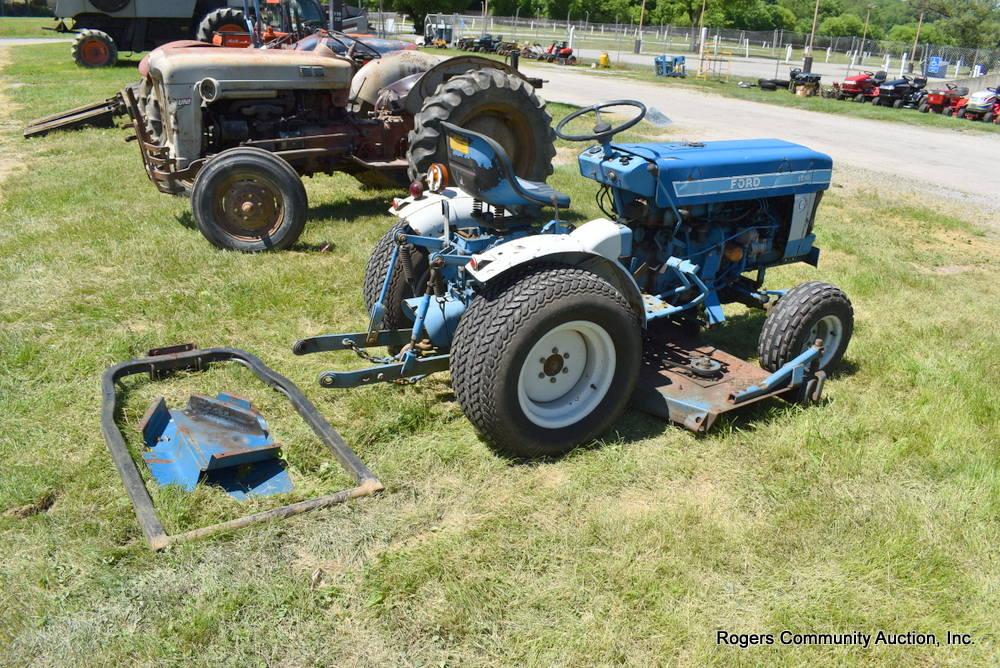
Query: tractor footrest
point(222, 441)
point(686, 381)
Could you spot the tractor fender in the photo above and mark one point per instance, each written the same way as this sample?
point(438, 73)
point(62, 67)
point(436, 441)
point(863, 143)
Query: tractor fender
point(425, 215)
point(594, 246)
point(369, 81)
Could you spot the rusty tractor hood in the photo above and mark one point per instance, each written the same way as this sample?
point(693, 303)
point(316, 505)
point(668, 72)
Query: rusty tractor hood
point(175, 65)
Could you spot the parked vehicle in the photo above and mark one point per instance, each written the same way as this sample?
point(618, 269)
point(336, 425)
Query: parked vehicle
point(237, 128)
point(898, 93)
point(859, 87)
point(940, 99)
point(549, 329)
point(981, 106)
point(560, 52)
point(103, 28)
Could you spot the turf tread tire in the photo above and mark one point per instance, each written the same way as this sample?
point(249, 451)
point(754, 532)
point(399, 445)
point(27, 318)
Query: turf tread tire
point(375, 271)
point(789, 322)
point(494, 318)
point(456, 100)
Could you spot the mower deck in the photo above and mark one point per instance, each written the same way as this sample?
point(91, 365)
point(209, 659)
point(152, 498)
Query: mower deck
point(686, 381)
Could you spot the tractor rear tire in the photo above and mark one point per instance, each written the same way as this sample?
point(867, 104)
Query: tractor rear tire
point(226, 19)
point(806, 312)
point(898, 104)
point(545, 359)
point(502, 106)
point(94, 48)
point(399, 287)
point(876, 101)
point(250, 200)
point(923, 107)
point(988, 117)
point(859, 98)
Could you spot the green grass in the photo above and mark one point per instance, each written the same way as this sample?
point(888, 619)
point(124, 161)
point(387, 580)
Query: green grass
point(876, 510)
point(27, 27)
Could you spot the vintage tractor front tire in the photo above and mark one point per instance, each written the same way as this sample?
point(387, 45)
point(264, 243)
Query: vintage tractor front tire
point(399, 287)
point(226, 19)
point(807, 312)
point(152, 114)
point(94, 48)
point(249, 200)
point(500, 105)
point(545, 359)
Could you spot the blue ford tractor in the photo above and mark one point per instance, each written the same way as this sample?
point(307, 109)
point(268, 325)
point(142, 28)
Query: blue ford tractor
point(550, 330)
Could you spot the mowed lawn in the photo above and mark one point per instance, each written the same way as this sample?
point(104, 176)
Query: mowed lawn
point(876, 510)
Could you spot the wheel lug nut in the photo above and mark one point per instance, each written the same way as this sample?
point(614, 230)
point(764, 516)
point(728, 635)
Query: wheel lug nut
point(565, 369)
point(552, 379)
point(541, 360)
point(565, 356)
point(541, 375)
point(555, 351)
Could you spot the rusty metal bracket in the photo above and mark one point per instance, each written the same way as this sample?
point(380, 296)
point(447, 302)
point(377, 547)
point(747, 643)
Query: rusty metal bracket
point(162, 362)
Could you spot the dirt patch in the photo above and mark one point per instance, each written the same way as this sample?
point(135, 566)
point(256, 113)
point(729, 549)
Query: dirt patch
point(10, 161)
point(39, 505)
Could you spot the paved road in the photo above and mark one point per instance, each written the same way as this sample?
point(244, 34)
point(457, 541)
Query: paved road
point(940, 161)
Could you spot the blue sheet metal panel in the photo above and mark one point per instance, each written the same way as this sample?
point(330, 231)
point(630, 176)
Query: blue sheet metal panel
point(222, 441)
point(721, 171)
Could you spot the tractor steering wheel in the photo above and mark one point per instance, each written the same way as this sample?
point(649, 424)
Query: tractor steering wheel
point(602, 130)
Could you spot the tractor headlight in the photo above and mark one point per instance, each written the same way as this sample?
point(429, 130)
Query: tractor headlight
point(887, 88)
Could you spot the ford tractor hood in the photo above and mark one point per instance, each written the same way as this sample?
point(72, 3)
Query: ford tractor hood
point(722, 171)
point(269, 67)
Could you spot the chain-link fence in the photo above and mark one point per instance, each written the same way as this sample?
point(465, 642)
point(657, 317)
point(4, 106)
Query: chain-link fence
point(934, 60)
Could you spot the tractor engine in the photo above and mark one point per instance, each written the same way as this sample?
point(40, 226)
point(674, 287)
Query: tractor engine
point(228, 123)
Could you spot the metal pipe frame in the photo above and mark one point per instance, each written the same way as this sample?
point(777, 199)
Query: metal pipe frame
point(162, 362)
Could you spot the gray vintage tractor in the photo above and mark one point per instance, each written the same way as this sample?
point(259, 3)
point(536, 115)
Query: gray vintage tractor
point(105, 27)
point(237, 128)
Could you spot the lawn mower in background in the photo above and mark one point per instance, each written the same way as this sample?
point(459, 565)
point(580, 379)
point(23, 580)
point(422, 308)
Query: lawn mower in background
point(803, 84)
point(859, 87)
point(559, 52)
point(939, 100)
point(980, 106)
point(548, 329)
point(899, 93)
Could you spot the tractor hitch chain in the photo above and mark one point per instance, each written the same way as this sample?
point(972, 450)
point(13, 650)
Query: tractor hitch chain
point(162, 362)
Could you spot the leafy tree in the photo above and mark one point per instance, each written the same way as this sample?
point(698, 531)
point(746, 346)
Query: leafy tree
point(969, 22)
point(929, 33)
point(845, 25)
point(418, 9)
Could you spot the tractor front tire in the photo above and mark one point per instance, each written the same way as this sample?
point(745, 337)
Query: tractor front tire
point(250, 200)
point(923, 108)
point(545, 359)
point(807, 312)
point(502, 106)
point(226, 19)
point(859, 98)
point(94, 48)
point(399, 288)
point(151, 112)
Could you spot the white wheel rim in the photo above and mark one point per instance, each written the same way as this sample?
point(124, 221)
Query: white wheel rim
point(831, 331)
point(567, 374)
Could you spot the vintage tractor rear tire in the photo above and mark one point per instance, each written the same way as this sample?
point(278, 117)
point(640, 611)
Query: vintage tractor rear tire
point(503, 106)
point(807, 312)
point(226, 19)
point(399, 287)
point(94, 48)
point(545, 359)
point(249, 200)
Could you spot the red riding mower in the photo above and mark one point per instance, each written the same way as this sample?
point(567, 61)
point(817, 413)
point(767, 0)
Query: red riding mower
point(943, 100)
point(983, 105)
point(860, 87)
point(559, 52)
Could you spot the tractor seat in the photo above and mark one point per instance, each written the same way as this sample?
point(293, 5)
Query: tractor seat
point(481, 167)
